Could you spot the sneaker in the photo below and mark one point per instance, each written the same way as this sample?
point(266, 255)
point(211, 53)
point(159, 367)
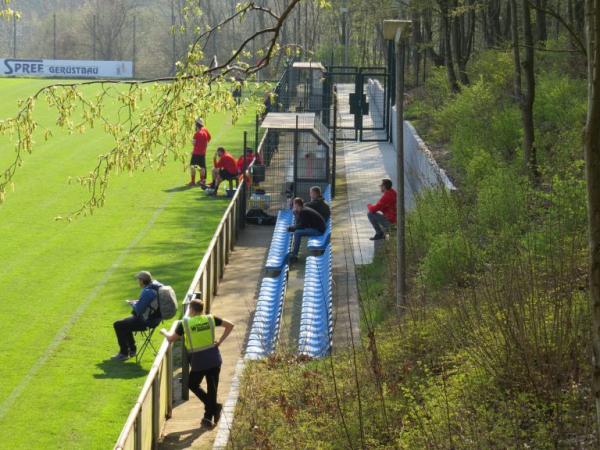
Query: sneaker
point(206, 422)
point(217, 414)
point(377, 237)
point(191, 183)
point(120, 357)
point(132, 353)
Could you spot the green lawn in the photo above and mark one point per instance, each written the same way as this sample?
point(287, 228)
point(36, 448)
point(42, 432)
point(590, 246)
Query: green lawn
point(63, 284)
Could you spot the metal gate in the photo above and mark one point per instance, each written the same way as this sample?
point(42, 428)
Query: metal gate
point(363, 102)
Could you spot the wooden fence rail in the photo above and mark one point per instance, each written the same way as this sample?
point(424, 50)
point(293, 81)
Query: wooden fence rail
point(155, 402)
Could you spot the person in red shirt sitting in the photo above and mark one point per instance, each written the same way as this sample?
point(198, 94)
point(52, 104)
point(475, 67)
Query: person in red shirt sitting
point(383, 213)
point(200, 142)
point(225, 168)
point(249, 156)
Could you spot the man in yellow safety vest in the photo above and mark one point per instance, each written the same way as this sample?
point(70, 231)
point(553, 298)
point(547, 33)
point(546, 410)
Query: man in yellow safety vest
point(198, 331)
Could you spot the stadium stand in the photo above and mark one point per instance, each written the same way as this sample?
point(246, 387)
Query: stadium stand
point(316, 324)
point(267, 317)
point(280, 244)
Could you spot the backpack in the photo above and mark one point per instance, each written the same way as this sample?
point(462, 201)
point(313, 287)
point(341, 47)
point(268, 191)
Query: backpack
point(167, 302)
point(259, 217)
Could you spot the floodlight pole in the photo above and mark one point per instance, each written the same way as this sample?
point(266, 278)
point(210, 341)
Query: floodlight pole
point(54, 36)
point(399, 29)
point(14, 36)
point(134, 50)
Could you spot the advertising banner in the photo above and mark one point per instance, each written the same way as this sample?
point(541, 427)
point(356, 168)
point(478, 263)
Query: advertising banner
point(12, 67)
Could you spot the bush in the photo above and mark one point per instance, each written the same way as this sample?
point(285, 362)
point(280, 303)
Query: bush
point(476, 121)
point(436, 211)
point(450, 260)
point(501, 203)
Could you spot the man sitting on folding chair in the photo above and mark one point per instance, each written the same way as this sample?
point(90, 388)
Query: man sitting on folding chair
point(145, 315)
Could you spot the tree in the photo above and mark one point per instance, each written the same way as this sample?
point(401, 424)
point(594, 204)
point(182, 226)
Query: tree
point(592, 159)
point(148, 135)
point(105, 23)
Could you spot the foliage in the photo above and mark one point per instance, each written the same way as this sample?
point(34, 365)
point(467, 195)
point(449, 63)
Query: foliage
point(65, 283)
point(147, 132)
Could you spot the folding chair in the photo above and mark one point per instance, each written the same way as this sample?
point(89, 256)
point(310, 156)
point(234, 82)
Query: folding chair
point(146, 336)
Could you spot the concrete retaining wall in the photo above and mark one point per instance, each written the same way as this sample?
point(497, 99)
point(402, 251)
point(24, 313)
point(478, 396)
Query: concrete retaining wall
point(421, 168)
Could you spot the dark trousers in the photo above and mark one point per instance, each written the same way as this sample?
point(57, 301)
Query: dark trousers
point(124, 329)
point(379, 222)
point(209, 398)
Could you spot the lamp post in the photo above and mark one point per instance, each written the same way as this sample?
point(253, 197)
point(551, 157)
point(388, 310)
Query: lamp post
point(397, 30)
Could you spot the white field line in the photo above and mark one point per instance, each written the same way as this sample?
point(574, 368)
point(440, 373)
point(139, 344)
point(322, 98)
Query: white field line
point(64, 331)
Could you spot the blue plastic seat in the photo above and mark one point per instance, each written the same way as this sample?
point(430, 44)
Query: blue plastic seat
point(267, 316)
point(280, 243)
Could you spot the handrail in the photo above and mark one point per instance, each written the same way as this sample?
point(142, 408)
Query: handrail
point(136, 434)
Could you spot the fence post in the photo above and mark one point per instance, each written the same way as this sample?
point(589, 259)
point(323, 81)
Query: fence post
point(334, 156)
point(169, 376)
point(256, 135)
point(137, 442)
point(209, 288)
point(155, 411)
point(243, 193)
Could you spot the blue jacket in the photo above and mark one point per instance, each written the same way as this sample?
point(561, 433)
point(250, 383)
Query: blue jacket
point(147, 305)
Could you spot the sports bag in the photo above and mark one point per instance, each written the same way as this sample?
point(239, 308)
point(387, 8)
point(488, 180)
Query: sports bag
point(167, 302)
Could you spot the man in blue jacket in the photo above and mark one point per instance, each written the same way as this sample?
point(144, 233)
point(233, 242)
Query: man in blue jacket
point(145, 314)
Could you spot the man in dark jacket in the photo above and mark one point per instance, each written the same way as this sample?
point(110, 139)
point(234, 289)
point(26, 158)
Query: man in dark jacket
point(318, 203)
point(145, 313)
point(308, 223)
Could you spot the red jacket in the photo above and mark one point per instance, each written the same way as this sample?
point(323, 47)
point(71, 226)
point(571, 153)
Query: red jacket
point(201, 140)
point(227, 162)
point(386, 204)
point(249, 159)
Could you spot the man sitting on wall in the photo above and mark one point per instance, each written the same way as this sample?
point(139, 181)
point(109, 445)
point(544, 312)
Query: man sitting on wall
point(317, 202)
point(383, 213)
point(308, 223)
point(225, 168)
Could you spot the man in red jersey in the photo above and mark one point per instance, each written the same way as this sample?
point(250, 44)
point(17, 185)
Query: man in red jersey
point(225, 168)
point(383, 213)
point(200, 141)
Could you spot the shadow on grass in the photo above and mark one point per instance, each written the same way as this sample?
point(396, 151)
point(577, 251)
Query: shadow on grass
point(117, 369)
point(185, 187)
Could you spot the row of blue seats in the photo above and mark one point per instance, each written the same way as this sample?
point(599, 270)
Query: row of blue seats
point(280, 244)
point(316, 318)
point(267, 317)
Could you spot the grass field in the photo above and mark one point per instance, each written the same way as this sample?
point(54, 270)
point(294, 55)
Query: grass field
point(63, 284)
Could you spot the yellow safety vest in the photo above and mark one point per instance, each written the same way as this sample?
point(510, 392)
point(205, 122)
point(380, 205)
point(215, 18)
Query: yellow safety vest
point(199, 332)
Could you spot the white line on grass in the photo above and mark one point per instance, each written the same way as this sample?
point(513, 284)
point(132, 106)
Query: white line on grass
point(64, 331)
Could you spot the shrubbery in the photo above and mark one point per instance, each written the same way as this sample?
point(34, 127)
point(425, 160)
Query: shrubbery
point(493, 348)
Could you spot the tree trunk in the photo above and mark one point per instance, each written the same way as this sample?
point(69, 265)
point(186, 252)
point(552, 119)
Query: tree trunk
point(529, 151)
point(415, 44)
point(592, 171)
point(448, 59)
point(541, 33)
point(507, 29)
point(516, 51)
point(516, 57)
point(437, 58)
